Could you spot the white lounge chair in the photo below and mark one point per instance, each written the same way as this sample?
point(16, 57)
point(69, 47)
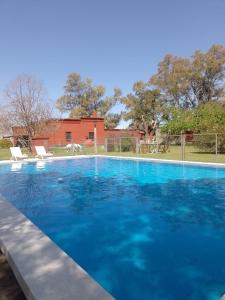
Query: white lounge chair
point(17, 154)
point(41, 152)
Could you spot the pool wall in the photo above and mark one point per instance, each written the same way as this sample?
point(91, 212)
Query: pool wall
point(41, 268)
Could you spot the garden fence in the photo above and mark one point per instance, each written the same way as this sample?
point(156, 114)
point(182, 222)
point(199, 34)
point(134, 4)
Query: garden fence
point(209, 147)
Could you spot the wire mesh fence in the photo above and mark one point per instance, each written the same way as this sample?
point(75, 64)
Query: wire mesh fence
point(121, 145)
point(186, 147)
point(202, 146)
point(71, 148)
point(208, 147)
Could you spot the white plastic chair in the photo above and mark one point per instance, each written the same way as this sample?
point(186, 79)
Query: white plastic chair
point(69, 147)
point(73, 147)
point(78, 147)
point(17, 154)
point(41, 152)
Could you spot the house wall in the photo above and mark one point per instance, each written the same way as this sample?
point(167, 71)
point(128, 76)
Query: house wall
point(55, 132)
point(111, 133)
point(79, 129)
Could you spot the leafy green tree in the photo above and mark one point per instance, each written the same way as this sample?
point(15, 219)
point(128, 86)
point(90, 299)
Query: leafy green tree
point(178, 120)
point(173, 81)
point(206, 118)
point(112, 120)
point(82, 98)
point(210, 118)
point(143, 106)
point(208, 74)
point(189, 82)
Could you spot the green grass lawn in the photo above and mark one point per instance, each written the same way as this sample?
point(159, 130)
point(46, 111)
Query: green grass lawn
point(5, 153)
point(57, 151)
point(175, 154)
point(191, 154)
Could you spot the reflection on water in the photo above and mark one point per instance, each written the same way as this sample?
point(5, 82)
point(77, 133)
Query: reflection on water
point(40, 164)
point(16, 166)
point(157, 228)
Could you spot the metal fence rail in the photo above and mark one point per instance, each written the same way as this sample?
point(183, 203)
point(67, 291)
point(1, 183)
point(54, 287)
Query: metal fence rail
point(121, 144)
point(208, 147)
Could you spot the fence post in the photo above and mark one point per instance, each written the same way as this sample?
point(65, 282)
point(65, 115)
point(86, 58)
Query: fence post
point(106, 145)
point(216, 145)
point(137, 152)
point(120, 144)
point(182, 146)
point(95, 138)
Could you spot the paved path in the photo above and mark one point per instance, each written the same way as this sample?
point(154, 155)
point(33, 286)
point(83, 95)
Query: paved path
point(9, 288)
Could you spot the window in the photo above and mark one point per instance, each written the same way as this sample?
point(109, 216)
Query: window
point(68, 136)
point(91, 136)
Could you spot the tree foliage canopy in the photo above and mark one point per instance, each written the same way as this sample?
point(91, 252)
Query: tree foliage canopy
point(189, 82)
point(206, 118)
point(142, 107)
point(82, 98)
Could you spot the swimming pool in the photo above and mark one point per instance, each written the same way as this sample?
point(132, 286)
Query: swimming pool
point(143, 230)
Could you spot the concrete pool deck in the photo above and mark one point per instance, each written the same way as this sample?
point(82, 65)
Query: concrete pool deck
point(42, 269)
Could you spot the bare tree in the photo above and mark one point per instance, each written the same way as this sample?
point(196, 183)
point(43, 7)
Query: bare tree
point(4, 122)
point(26, 107)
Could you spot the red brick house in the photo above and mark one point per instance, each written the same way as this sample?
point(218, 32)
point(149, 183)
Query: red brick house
point(78, 131)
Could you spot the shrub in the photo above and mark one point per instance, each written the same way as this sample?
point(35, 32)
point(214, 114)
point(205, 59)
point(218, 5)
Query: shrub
point(127, 144)
point(205, 143)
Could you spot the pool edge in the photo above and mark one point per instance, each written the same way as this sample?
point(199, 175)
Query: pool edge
point(42, 269)
point(170, 161)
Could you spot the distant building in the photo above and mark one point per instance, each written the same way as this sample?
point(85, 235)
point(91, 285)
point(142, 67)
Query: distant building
point(79, 131)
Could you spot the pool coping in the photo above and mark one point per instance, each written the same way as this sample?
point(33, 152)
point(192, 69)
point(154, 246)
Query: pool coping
point(171, 161)
point(7, 161)
point(43, 270)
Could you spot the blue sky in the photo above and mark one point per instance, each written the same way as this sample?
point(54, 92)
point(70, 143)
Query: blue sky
point(114, 42)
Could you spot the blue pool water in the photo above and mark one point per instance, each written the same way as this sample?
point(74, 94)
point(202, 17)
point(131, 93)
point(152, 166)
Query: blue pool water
point(144, 231)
